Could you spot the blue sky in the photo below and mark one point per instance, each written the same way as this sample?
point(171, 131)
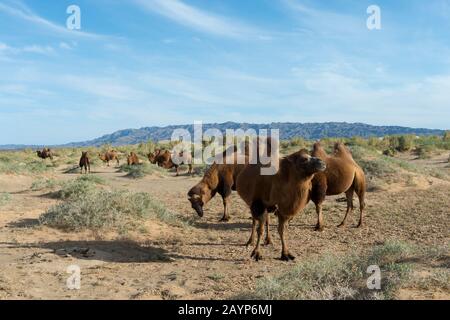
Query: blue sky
point(157, 62)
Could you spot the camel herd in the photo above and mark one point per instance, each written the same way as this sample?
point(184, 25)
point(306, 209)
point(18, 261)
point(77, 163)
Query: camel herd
point(302, 177)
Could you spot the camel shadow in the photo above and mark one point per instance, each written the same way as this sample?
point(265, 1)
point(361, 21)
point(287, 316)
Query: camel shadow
point(223, 225)
point(23, 223)
point(107, 251)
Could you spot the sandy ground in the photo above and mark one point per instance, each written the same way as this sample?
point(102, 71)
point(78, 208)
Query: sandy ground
point(207, 260)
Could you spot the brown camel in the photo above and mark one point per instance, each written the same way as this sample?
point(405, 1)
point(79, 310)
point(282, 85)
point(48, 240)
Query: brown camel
point(164, 160)
point(45, 153)
point(343, 175)
point(287, 192)
point(219, 178)
point(109, 156)
point(85, 163)
point(132, 159)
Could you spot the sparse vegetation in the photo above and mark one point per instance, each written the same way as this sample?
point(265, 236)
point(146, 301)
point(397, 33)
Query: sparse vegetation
point(98, 210)
point(4, 198)
point(80, 187)
point(141, 170)
point(339, 277)
point(43, 184)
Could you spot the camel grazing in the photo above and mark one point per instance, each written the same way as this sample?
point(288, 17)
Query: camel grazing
point(287, 192)
point(85, 163)
point(45, 153)
point(109, 156)
point(164, 160)
point(132, 159)
point(219, 178)
point(343, 175)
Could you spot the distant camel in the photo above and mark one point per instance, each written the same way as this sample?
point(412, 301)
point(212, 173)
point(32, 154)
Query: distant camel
point(132, 159)
point(342, 175)
point(164, 160)
point(84, 162)
point(109, 156)
point(45, 153)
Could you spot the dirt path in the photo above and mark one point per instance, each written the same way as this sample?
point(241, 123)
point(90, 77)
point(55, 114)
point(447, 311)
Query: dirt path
point(206, 260)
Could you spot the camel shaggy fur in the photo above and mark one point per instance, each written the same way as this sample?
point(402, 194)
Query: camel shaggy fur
point(287, 192)
point(343, 175)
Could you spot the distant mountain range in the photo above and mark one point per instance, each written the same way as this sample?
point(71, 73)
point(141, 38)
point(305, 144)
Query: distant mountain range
point(288, 130)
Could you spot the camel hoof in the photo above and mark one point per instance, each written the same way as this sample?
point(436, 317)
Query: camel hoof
point(318, 228)
point(250, 242)
point(256, 255)
point(287, 257)
point(359, 225)
point(224, 219)
point(341, 225)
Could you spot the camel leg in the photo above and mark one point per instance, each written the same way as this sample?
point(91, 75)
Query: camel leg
point(226, 193)
point(362, 205)
point(226, 216)
point(319, 225)
point(256, 254)
point(268, 240)
point(251, 240)
point(349, 195)
point(285, 255)
point(190, 169)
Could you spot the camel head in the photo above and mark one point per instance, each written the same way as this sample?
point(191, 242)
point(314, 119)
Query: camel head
point(199, 195)
point(304, 164)
point(84, 154)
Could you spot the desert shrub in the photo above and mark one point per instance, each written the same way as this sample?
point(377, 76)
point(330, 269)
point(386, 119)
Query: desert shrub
point(98, 210)
point(377, 167)
point(80, 187)
point(405, 143)
point(390, 152)
point(141, 170)
point(108, 210)
point(43, 183)
point(339, 276)
point(297, 142)
point(20, 162)
point(424, 151)
point(4, 198)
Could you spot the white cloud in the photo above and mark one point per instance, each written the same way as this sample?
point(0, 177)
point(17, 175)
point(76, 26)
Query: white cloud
point(23, 12)
point(198, 19)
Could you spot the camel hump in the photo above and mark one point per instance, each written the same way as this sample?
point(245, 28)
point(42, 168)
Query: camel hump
point(318, 151)
point(340, 150)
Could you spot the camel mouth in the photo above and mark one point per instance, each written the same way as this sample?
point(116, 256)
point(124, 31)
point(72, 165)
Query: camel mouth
point(198, 208)
point(320, 165)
